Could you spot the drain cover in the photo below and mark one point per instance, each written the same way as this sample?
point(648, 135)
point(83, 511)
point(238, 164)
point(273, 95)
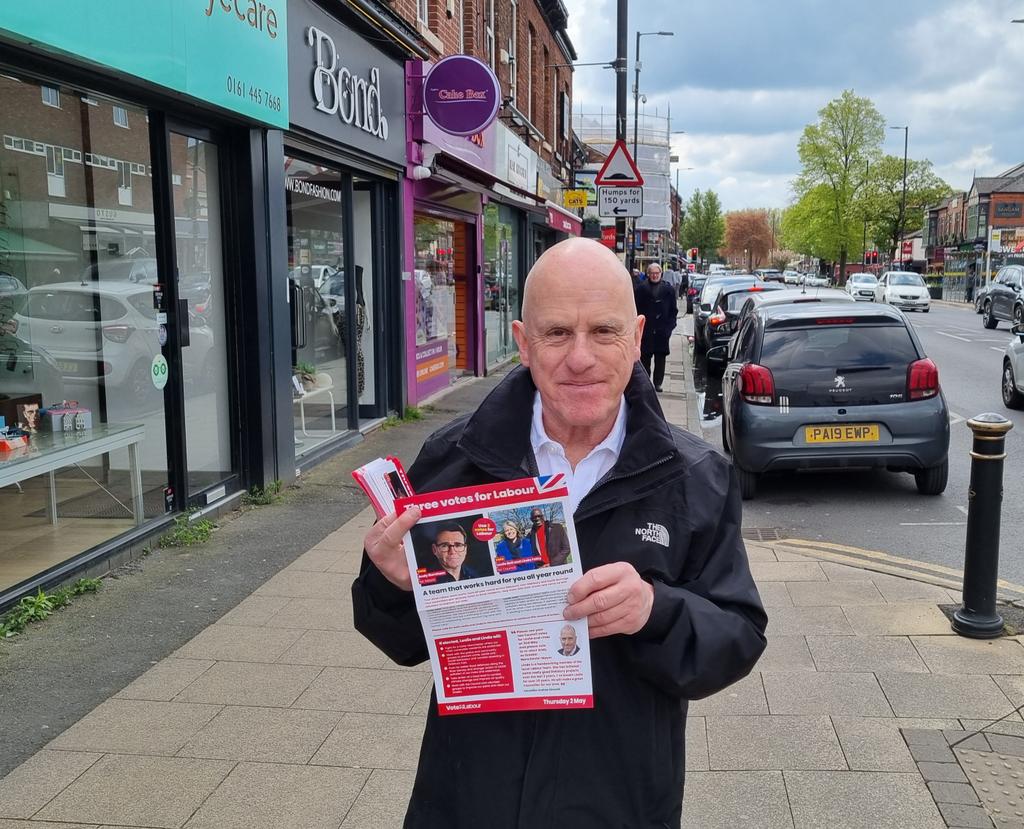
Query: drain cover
point(763, 534)
point(998, 780)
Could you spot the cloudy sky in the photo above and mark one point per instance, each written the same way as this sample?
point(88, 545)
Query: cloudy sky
point(743, 78)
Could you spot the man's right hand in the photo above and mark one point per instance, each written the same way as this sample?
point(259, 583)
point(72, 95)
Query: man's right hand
point(383, 544)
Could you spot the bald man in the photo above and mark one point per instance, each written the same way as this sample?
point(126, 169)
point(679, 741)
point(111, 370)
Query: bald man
point(672, 610)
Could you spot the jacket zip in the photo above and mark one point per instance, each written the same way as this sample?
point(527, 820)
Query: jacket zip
point(581, 515)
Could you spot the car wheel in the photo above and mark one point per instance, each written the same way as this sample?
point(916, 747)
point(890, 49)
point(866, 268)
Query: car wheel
point(987, 319)
point(932, 480)
point(926, 310)
point(1018, 314)
point(1012, 398)
point(748, 482)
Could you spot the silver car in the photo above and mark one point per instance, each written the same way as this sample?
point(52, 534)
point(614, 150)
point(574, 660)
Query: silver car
point(1013, 371)
point(833, 386)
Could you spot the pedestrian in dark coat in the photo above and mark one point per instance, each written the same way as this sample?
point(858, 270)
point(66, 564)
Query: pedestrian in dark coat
point(672, 610)
point(656, 301)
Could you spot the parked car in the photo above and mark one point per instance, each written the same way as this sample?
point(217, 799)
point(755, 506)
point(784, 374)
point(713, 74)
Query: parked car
point(1004, 300)
point(905, 290)
point(107, 331)
point(697, 281)
point(815, 280)
point(833, 386)
point(703, 309)
point(1013, 370)
point(769, 274)
point(799, 296)
point(791, 277)
point(724, 320)
point(861, 286)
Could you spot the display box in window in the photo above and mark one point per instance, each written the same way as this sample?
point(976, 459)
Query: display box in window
point(67, 417)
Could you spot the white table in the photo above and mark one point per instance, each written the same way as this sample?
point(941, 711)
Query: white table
point(49, 451)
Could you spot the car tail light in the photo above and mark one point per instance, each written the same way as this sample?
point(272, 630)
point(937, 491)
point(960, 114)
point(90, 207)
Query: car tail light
point(717, 318)
point(691, 292)
point(118, 333)
point(922, 380)
point(757, 384)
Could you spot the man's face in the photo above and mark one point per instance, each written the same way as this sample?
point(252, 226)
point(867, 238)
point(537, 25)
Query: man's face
point(568, 639)
point(450, 549)
point(654, 274)
point(580, 340)
point(537, 517)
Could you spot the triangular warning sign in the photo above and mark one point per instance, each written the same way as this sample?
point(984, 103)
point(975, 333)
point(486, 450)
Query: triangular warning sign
point(619, 169)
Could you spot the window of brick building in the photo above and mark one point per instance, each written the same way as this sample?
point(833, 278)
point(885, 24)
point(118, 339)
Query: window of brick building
point(513, 69)
point(423, 12)
point(461, 11)
point(529, 73)
point(489, 33)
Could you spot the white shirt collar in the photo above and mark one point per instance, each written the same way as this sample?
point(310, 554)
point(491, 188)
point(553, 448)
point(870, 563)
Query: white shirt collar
point(612, 443)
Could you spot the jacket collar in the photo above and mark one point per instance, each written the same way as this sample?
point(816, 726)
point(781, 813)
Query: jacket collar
point(497, 436)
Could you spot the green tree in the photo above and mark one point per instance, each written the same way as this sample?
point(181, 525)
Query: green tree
point(704, 225)
point(884, 193)
point(835, 152)
point(808, 226)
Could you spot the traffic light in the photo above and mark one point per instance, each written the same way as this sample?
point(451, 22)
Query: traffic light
point(874, 257)
point(694, 254)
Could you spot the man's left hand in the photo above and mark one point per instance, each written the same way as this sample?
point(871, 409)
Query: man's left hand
point(614, 599)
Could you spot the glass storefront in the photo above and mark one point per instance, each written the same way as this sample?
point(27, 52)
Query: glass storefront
point(501, 280)
point(435, 287)
point(84, 457)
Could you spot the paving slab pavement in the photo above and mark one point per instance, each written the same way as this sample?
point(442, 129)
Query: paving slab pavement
point(278, 714)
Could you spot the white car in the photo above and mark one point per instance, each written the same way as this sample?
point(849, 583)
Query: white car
point(106, 330)
point(1012, 385)
point(791, 277)
point(861, 286)
point(905, 290)
point(815, 280)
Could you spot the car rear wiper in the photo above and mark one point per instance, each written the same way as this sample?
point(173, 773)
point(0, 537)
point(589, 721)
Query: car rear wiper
point(855, 369)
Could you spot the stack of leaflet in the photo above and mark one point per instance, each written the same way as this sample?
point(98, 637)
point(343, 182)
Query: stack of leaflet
point(383, 480)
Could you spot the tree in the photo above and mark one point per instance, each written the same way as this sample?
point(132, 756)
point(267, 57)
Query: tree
point(808, 226)
point(835, 152)
point(703, 226)
point(748, 233)
point(884, 192)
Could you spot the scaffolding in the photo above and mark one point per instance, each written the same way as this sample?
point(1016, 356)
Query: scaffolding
point(653, 152)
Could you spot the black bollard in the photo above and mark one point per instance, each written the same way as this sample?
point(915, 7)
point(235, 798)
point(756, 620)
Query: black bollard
point(977, 618)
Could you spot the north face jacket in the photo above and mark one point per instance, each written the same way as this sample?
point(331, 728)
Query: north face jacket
point(671, 507)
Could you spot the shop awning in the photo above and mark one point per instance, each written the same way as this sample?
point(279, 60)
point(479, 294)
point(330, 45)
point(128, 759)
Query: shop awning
point(478, 181)
point(563, 221)
point(17, 245)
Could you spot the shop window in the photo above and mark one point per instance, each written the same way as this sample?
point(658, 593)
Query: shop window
point(435, 279)
point(77, 333)
point(120, 117)
point(501, 280)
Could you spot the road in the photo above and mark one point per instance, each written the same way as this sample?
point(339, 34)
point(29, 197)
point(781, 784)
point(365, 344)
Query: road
point(880, 510)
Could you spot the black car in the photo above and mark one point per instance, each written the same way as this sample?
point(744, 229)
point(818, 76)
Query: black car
point(1004, 300)
point(724, 320)
point(705, 304)
point(697, 281)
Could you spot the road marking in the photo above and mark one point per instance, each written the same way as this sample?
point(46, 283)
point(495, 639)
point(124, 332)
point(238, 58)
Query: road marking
point(954, 418)
point(885, 563)
point(1000, 350)
point(953, 336)
point(933, 524)
point(962, 509)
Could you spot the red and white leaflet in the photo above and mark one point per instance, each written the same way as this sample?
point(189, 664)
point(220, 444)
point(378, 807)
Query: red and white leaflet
point(383, 480)
point(491, 569)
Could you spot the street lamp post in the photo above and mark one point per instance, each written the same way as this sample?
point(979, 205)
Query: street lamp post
point(864, 246)
point(903, 200)
point(636, 118)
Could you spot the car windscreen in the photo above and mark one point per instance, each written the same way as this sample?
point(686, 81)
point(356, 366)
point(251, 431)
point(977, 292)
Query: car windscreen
point(906, 279)
point(863, 279)
point(839, 364)
point(737, 299)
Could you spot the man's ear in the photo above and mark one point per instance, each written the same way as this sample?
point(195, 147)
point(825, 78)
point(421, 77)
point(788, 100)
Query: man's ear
point(519, 335)
point(641, 320)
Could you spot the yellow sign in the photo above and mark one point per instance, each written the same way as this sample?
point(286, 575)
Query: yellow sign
point(574, 198)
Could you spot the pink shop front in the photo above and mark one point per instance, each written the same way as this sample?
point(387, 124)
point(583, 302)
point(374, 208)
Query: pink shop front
point(467, 250)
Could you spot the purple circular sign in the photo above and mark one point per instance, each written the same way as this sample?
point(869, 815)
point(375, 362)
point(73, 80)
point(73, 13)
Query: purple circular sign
point(461, 95)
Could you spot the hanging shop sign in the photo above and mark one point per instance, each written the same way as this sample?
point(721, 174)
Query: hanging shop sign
point(230, 53)
point(461, 95)
point(342, 87)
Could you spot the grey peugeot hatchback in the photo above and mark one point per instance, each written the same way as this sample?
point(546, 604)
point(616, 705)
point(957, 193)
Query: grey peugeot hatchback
point(833, 386)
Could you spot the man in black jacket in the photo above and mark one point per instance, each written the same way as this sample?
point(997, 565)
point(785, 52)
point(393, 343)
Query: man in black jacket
point(656, 302)
point(672, 610)
point(549, 539)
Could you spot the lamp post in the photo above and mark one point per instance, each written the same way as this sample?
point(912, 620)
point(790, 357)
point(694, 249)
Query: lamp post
point(636, 117)
point(903, 200)
point(864, 248)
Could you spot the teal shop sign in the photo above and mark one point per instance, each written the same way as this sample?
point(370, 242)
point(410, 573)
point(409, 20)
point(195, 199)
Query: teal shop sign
point(231, 53)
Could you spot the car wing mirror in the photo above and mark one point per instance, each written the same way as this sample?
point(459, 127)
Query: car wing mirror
point(717, 353)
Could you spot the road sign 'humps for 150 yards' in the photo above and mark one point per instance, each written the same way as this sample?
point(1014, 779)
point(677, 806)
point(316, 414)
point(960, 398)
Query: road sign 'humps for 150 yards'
point(619, 169)
point(620, 202)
